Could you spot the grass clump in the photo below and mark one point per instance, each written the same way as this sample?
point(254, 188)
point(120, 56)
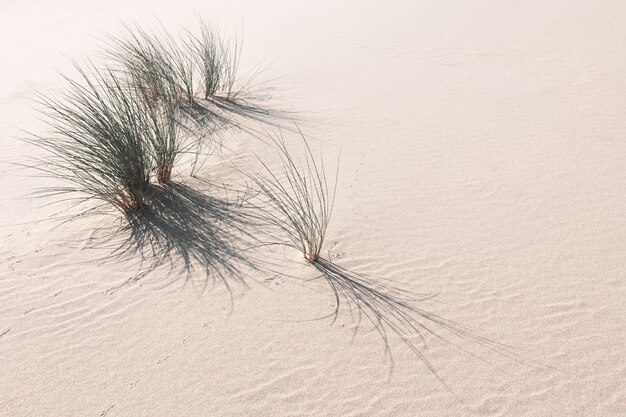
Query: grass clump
point(98, 141)
point(154, 62)
point(298, 199)
point(218, 61)
point(144, 59)
point(205, 62)
point(168, 74)
point(162, 118)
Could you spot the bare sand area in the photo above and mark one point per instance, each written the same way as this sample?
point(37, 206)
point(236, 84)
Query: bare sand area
point(482, 169)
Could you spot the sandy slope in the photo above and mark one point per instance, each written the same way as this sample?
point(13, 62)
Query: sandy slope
point(482, 161)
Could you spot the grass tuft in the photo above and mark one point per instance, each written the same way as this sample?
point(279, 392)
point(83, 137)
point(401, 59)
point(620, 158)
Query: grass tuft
point(163, 117)
point(297, 200)
point(218, 60)
point(98, 137)
point(166, 73)
point(205, 62)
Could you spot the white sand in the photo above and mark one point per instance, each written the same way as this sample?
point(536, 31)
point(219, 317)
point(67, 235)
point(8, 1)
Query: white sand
point(483, 160)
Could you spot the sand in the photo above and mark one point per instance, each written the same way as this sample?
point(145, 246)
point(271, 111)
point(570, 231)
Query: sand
point(482, 162)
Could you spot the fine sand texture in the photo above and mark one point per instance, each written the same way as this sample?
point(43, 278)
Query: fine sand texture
point(482, 169)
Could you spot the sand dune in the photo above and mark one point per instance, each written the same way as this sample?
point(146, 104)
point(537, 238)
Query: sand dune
point(482, 169)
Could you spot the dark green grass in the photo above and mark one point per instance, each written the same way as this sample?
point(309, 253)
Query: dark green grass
point(144, 58)
point(218, 61)
point(206, 62)
point(99, 134)
point(209, 54)
point(163, 117)
point(298, 199)
point(153, 60)
point(167, 73)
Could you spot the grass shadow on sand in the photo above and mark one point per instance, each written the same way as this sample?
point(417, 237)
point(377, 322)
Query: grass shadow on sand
point(394, 311)
point(253, 109)
point(250, 114)
point(189, 231)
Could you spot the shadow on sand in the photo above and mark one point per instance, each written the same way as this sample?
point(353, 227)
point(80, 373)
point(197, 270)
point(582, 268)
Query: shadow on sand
point(392, 310)
point(248, 113)
point(198, 235)
point(189, 231)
